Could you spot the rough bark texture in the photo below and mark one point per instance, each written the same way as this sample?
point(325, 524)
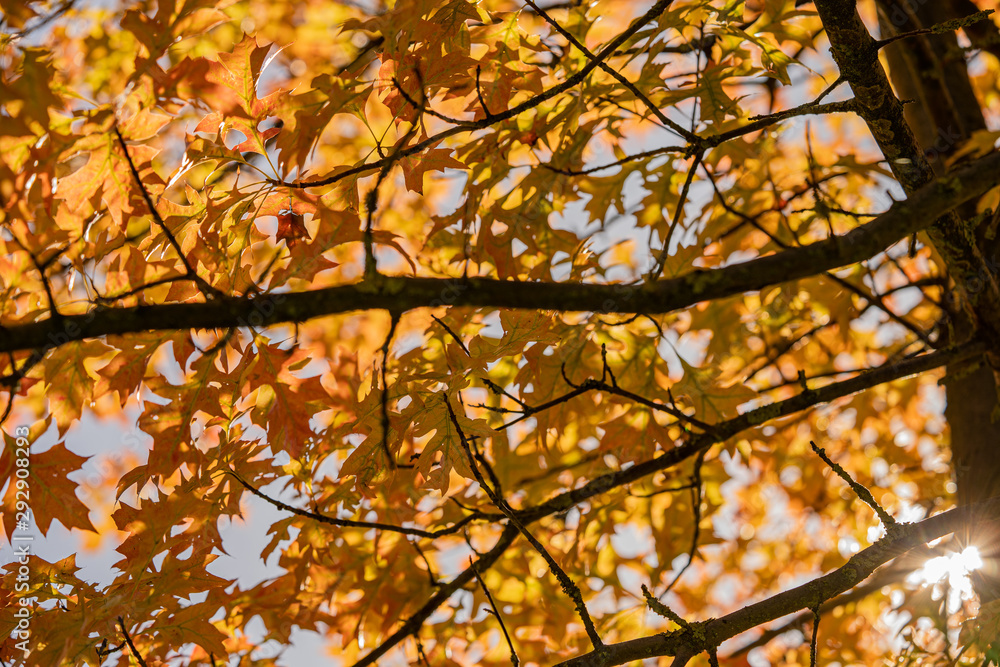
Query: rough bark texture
point(931, 71)
point(856, 53)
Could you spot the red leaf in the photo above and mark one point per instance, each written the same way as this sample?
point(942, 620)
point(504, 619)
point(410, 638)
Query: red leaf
point(291, 228)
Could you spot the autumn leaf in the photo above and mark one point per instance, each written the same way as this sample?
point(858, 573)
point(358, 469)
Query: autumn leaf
point(290, 228)
point(443, 452)
point(106, 178)
point(50, 493)
point(482, 333)
point(238, 72)
point(713, 401)
point(436, 159)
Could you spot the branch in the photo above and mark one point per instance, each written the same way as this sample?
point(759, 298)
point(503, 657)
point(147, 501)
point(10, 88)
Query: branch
point(856, 54)
point(496, 612)
point(937, 29)
point(209, 291)
point(128, 640)
point(661, 609)
point(655, 110)
point(884, 577)
point(983, 35)
point(814, 108)
point(654, 11)
point(348, 523)
point(864, 494)
point(568, 586)
point(399, 294)
point(722, 432)
point(411, 625)
point(807, 596)
point(756, 417)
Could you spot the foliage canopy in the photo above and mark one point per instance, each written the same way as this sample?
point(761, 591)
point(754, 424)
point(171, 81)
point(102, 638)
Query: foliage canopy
point(519, 322)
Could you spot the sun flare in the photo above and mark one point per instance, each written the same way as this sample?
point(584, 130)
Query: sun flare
point(953, 571)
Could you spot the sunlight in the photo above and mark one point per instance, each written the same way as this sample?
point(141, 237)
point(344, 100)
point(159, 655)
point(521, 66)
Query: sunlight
point(953, 571)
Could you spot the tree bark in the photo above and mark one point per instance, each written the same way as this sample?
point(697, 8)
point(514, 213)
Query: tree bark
point(931, 70)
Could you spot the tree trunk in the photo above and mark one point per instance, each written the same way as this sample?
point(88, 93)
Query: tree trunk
point(931, 71)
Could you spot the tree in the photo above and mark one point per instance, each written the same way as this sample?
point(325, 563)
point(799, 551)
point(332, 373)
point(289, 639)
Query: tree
point(578, 334)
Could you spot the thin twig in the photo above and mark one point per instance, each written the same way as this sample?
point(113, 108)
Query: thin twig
point(864, 494)
point(678, 213)
point(420, 651)
point(606, 370)
point(568, 586)
point(658, 8)
point(496, 612)
point(617, 163)
point(658, 492)
point(109, 299)
point(349, 523)
point(454, 335)
point(131, 646)
point(101, 649)
point(423, 108)
point(370, 46)
point(599, 385)
point(56, 13)
point(663, 610)
point(696, 512)
point(689, 136)
point(500, 391)
point(815, 637)
point(209, 291)
point(13, 379)
point(384, 399)
point(479, 94)
point(430, 571)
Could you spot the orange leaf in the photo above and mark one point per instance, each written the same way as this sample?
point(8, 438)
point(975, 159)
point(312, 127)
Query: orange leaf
point(437, 159)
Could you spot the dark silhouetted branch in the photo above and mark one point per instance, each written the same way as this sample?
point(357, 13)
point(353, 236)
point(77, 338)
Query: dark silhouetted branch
point(807, 596)
point(399, 294)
